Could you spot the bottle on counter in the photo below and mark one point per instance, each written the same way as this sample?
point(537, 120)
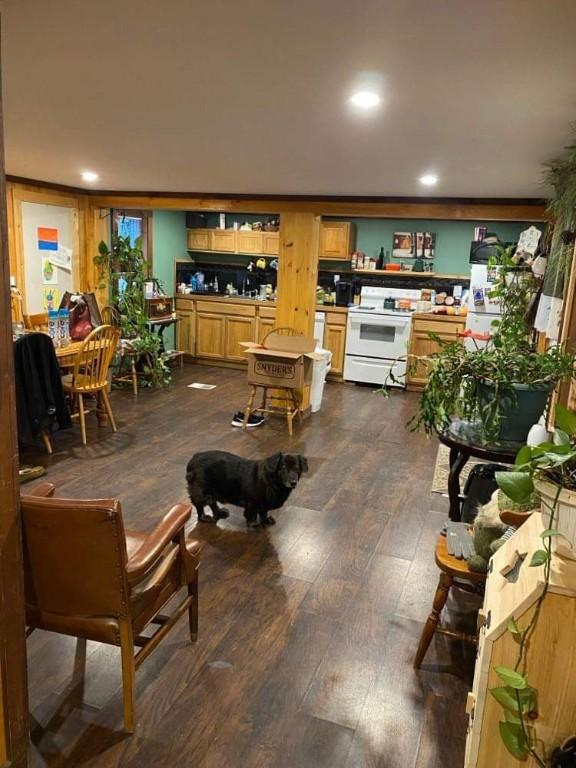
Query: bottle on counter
point(381, 258)
point(216, 285)
point(63, 321)
point(53, 325)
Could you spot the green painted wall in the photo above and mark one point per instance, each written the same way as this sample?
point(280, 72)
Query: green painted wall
point(168, 244)
point(453, 238)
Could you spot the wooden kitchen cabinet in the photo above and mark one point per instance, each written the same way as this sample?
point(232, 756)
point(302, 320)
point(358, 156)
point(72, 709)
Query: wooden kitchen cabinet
point(210, 334)
point(271, 243)
point(224, 240)
point(336, 240)
point(200, 239)
point(446, 327)
point(238, 329)
point(335, 340)
point(266, 321)
point(186, 328)
point(249, 242)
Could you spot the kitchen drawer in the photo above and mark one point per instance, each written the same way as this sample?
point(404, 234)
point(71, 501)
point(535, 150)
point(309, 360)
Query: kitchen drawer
point(439, 326)
point(335, 318)
point(223, 308)
point(185, 304)
point(267, 312)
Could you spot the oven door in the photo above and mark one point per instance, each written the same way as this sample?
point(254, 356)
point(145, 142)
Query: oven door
point(380, 336)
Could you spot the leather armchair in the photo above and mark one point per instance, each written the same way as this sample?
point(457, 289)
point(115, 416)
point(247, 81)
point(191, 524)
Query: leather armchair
point(87, 577)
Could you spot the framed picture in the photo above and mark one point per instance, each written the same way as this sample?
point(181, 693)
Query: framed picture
point(403, 245)
point(409, 245)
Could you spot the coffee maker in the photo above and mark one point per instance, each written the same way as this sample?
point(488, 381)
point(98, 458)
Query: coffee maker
point(344, 293)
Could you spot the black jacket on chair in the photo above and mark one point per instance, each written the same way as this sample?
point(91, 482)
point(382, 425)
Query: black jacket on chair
point(40, 400)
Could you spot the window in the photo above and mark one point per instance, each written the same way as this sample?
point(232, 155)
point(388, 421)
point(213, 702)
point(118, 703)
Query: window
point(135, 224)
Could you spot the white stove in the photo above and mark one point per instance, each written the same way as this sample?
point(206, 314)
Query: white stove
point(378, 335)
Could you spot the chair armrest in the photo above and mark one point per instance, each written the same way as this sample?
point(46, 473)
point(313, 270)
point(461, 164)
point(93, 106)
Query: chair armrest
point(152, 548)
point(43, 490)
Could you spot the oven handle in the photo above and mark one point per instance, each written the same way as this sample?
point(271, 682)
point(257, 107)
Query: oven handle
point(397, 322)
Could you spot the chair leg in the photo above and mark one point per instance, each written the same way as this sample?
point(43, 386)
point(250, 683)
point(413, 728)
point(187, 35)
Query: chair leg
point(47, 442)
point(193, 610)
point(289, 412)
point(82, 417)
point(134, 374)
point(128, 674)
point(108, 408)
point(249, 407)
point(440, 598)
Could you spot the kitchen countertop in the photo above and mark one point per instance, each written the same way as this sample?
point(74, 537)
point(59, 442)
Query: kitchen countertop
point(439, 316)
point(251, 302)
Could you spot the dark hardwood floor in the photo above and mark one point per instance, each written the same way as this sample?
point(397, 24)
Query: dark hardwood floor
point(307, 629)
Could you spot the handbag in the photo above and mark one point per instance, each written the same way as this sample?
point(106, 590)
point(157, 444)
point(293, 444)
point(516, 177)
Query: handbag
point(84, 314)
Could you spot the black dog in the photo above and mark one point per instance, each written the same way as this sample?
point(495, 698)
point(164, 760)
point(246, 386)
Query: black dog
point(258, 486)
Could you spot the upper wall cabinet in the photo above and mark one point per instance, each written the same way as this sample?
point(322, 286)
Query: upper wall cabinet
point(243, 241)
point(336, 240)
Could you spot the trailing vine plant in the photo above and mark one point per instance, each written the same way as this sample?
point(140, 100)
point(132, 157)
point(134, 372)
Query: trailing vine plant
point(556, 461)
point(123, 268)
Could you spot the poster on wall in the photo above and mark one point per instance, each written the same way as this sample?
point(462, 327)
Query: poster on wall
point(62, 258)
point(50, 298)
point(49, 273)
point(47, 239)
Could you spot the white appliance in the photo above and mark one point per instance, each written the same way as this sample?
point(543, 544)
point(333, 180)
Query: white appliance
point(482, 310)
point(319, 321)
point(377, 336)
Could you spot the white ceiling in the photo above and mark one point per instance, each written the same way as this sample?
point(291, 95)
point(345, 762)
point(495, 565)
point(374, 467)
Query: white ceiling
point(250, 96)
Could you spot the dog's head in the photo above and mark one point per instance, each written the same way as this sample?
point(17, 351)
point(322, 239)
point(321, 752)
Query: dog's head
point(287, 468)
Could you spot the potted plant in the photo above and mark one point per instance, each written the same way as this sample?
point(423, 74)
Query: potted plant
point(549, 469)
point(123, 267)
point(501, 389)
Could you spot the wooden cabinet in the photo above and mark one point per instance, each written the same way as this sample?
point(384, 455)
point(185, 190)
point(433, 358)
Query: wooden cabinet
point(336, 240)
point(186, 327)
point(249, 242)
point(200, 239)
point(210, 334)
point(266, 321)
point(271, 243)
point(445, 327)
point(235, 241)
point(335, 340)
point(512, 589)
point(224, 240)
point(238, 329)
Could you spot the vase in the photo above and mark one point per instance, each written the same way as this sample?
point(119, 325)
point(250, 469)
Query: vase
point(564, 505)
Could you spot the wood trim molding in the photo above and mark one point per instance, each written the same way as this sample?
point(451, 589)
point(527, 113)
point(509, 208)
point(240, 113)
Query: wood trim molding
point(472, 209)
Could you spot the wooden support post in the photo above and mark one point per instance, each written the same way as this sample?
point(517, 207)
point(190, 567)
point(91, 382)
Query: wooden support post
point(298, 276)
point(13, 691)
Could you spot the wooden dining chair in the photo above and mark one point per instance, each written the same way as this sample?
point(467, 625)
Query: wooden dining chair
point(86, 576)
point(37, 322)
point(90, 374)
point(126, 351)
point(275, 400)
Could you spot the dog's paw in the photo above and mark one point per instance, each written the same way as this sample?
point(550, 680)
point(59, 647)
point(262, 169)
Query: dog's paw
point(269, 521)
point(207, 519)
point(252, 524)
point(222, 513)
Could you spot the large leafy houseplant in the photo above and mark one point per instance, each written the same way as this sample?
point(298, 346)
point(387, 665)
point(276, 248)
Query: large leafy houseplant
point(554, 464)
point(123, 268)
point(482, 385)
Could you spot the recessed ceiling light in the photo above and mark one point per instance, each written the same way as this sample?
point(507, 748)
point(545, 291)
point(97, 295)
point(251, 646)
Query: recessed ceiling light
point(429, 179)
point(365, 99)
point(90, 176)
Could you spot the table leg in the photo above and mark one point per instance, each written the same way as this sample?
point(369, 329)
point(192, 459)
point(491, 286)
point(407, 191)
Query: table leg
point(457, 461)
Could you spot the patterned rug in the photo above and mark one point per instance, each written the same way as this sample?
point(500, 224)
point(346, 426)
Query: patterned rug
point(442, 468)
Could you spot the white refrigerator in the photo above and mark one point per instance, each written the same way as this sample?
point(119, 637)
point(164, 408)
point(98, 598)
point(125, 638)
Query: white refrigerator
point(482, 310)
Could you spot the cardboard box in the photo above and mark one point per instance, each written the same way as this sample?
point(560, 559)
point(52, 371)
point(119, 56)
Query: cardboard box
point(285, 361)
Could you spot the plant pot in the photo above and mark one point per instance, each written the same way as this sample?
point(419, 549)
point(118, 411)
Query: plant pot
point(564, 517)
point(519, 411)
